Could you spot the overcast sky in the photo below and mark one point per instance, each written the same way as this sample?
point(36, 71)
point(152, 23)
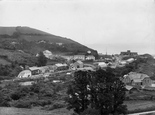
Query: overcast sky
point(112, 25)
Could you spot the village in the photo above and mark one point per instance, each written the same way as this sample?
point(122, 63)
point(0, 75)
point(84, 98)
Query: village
point(139, 86)
point(134, 81)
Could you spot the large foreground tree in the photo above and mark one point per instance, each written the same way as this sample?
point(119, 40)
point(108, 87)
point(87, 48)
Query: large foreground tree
point(101, 90)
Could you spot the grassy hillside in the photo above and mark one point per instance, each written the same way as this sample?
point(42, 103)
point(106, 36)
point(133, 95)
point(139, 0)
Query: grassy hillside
point(32, 41)
point(144, 65)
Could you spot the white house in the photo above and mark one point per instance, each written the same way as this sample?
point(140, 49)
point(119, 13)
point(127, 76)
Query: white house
point(79, 57)
point(130, 60)
point(47, 54)
point(102, 64)
point(25, 74)
point(69, 57)
point(90, 57)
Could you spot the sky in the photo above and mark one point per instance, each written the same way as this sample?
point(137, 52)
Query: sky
point(108, 26)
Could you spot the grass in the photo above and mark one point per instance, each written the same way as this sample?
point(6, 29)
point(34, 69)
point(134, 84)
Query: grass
point(34, 111)
point(140, 106)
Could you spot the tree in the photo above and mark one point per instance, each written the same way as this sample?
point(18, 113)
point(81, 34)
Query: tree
point(42, 60)
point(110, 92)
point(78, 92)
point(101, 90)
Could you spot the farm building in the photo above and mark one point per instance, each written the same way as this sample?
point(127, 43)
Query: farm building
point(25, 74)
point(60, 66)
point(137, 79)
point(77, 64)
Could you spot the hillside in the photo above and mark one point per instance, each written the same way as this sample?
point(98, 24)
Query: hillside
point(143, 64)
point(32, 41)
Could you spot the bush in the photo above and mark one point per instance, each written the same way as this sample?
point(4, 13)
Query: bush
point(44, 102)
point(22, 104)
point(56, 105)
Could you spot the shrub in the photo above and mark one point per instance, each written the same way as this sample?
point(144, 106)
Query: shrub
point(22, 104)
point(56, 105)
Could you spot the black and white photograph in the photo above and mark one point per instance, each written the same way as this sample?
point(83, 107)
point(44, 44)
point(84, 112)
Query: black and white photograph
point(77, 57)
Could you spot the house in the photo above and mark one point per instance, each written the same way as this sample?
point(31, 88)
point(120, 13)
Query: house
point(147, 81)
point(52, 68)
point(86, 69)
point(35, 70)
point(24, 74)
point(77, 64)
point(28, 83)
point(90, 57)
point(60, 66)
point(68, 57)
point(130, 60)
point(79, 57)
point(137, 79)
point(101, 64)
point(44, 69)
point(89, 65)
point(122, 62)
point(47, 53)
point(129, 53)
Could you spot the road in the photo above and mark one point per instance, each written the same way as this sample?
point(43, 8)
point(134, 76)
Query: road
point(144, 113)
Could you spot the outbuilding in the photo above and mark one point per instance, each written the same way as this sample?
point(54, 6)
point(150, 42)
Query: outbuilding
point(25, 74)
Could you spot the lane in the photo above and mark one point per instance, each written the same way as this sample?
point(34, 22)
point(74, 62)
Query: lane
point(144, 113)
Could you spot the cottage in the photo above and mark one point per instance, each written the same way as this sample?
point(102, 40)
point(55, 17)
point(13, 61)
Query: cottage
point(86, 69)
point(44, 69)
point(35, 70)
point(25, 74)
point(52, 68)
point(60, 66)
point(79, 57)
point(69, 57)
point(130, 60)
point(147, 81)
point(102, 64)
point(137, 79)
point(47, 53)
point(77, 64)
point(90, 57)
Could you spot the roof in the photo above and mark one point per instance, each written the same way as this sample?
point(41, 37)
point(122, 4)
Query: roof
point(60, 64)
point(102, 64)
point(26, 83)
point(86, 69)
point(34, 68)
point(24, 71)
point(128, 87)
point(130, 60)
point(134, 75)
point(47, 51)
point(137, 80)
point(80, 62)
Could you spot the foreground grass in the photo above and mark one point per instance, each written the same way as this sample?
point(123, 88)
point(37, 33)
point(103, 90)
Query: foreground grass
point(34, 111)
point(136, 106)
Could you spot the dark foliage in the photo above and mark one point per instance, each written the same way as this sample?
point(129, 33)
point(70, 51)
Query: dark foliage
point(100, 90)
point(45, 94)
point(42, 60)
